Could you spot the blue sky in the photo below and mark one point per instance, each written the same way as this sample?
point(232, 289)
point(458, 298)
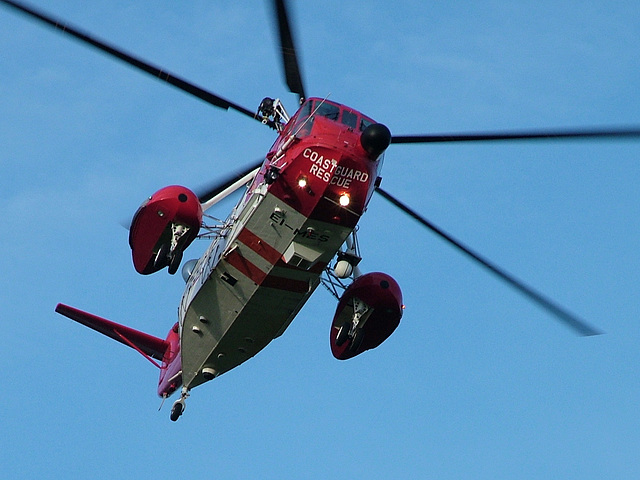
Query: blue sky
point(475, 383)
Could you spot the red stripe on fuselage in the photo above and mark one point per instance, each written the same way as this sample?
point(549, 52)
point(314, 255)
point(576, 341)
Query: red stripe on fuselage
point(244, 266)
point(271, 255)
point(262, 248)
point(256, 275)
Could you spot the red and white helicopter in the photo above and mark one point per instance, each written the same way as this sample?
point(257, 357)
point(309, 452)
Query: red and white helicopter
point(293, 229)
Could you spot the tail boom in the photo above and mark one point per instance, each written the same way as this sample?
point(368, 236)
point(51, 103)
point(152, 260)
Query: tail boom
point(150, 347)
point(144, 343)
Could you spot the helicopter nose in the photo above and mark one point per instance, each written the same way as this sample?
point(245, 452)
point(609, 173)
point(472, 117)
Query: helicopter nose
point(375, 139)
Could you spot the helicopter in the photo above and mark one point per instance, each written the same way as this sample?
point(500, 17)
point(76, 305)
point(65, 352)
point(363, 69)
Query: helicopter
point(293, 229)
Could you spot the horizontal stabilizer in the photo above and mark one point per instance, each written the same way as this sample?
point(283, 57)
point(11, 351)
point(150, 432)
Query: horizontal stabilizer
point(147, 344)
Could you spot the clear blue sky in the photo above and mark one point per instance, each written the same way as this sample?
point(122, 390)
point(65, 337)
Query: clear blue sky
point(475, 383)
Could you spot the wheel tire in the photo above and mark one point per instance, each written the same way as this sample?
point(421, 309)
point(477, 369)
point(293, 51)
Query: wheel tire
point(356, 341)
point(174, 263)
point(162, 257)
point(176, 411)
point(343, 334)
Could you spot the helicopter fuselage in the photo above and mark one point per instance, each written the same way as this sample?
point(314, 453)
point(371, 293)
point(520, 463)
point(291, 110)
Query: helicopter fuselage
point(256, 275)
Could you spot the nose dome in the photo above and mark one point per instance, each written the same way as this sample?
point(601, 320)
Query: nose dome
point(375, 139)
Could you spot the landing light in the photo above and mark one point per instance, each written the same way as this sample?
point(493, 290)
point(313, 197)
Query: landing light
point(302, 182)
point(344, 199)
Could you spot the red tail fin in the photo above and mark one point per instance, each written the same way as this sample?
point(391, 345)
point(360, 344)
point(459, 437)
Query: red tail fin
point(148, 345)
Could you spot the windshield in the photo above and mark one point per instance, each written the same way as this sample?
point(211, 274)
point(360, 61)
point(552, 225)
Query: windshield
point(334, 112)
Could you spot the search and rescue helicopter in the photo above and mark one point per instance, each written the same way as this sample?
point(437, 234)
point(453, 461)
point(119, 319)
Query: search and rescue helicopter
point(294, 228)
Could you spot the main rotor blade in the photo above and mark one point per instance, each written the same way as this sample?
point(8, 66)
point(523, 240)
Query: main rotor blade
point(221, 185)
point(157, 72)
point(568, 318)
point(289, 57)
point(603, 133)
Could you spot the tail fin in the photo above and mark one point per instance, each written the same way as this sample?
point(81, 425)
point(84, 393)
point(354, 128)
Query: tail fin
point(148, 345)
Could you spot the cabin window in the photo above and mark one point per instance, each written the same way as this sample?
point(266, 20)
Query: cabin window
point(349, 119)
point(364, 123)
point(328, 110)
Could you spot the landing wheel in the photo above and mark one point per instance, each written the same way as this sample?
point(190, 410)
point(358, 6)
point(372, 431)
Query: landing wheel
point(162, 257)
point(178, 406)
point(174, 263)
point(356, 341)
point(343, 334)
point(177, 410)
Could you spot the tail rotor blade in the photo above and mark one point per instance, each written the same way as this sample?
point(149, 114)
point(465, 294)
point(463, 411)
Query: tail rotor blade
point(568, 318)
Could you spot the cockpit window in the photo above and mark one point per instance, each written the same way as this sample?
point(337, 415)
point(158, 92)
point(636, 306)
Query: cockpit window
point(364, 123)
point(305, 110)
point(349, 119)
point(302, 123)
point(332, 112)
